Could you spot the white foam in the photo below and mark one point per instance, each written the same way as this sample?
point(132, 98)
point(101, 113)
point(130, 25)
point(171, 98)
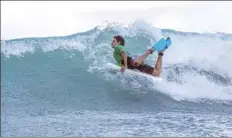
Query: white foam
point(68, 45)
point(16, 48)
point(196, 88)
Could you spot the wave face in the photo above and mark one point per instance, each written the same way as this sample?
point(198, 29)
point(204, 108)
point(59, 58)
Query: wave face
point(58, 81)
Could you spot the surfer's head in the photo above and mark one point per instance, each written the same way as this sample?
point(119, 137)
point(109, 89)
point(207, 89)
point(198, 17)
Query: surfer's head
point(117, 40)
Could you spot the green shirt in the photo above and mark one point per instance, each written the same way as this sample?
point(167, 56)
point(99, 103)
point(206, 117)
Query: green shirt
point(118, 49)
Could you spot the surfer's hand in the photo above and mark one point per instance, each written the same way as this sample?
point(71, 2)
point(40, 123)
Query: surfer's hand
point(123, 68)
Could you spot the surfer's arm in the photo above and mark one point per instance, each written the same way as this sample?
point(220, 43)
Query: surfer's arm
point(124, 58)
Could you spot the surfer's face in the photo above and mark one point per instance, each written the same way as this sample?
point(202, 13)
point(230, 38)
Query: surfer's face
point(114, 42)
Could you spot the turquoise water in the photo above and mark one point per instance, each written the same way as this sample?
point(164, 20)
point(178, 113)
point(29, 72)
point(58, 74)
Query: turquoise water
point(59, 86)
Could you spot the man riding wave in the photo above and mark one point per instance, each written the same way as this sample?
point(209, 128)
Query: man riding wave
point(124, 59)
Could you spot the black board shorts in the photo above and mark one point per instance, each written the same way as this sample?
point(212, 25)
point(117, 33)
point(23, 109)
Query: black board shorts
point(142, 67)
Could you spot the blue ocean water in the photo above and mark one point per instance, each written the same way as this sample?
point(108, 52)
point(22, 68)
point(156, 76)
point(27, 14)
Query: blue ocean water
point(59, 86)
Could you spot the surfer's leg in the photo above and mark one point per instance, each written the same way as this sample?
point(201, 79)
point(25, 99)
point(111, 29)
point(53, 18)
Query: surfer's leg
point(157, 70)
point(141, 58)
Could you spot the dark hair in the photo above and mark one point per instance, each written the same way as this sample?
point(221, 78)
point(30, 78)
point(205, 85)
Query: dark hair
point(120, 39)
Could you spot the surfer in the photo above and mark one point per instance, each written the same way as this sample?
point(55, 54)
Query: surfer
point(124, 59)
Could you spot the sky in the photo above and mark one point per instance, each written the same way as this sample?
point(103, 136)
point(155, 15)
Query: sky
point(58, 18)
